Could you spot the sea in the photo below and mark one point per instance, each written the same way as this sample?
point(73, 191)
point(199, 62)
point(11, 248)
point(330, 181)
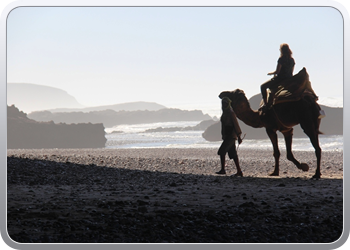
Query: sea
point(134, 136)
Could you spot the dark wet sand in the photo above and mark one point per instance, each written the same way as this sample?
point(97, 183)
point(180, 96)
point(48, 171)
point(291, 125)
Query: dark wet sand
point(170, 196)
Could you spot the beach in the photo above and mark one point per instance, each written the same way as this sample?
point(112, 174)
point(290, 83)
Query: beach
point(171, 196)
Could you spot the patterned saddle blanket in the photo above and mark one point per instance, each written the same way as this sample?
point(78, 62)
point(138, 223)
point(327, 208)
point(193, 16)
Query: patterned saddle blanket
point(294, 88)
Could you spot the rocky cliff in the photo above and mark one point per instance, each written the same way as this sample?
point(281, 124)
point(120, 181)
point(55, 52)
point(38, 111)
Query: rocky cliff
point(23, 132)
point(203, 125)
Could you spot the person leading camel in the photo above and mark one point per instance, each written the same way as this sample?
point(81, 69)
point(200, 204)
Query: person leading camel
point(230, 132)
point(284, 70)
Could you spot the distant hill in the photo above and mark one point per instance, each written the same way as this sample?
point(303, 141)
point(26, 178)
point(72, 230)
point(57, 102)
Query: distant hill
point(112, 118)
point(32, 97)
point(332, 124)
point(130, 106)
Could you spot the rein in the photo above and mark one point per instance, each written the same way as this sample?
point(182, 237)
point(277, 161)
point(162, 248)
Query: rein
point(240, 144)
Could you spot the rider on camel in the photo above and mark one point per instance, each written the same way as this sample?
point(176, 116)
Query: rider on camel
point(284, 70)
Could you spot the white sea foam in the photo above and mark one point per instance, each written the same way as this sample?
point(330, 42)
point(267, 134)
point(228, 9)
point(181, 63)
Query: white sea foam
point(138, 128)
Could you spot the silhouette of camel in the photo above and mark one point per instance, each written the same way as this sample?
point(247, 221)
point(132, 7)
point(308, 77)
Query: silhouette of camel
point(282, 117)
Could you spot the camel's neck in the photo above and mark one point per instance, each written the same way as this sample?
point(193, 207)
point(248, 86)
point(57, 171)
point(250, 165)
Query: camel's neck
point(248, 116)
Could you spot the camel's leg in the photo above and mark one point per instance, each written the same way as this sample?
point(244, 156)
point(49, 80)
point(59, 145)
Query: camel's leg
point(318, 152)
point(276, 153)
point(288, 137)
point(313, 135)
point(315, 143)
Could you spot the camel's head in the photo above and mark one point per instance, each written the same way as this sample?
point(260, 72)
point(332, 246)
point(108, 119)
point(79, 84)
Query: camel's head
point(236, 96)
point(224, 94)
point(238, 93)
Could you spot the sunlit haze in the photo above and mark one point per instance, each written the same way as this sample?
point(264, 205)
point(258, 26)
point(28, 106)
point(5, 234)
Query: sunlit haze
point(175, 56)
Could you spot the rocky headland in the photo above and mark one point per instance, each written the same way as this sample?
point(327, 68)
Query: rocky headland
point(23, 132)
point(199, 127)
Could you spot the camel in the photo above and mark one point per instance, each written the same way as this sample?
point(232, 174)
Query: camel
point(282, 117)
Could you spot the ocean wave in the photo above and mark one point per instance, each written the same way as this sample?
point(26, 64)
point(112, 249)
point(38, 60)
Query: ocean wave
point(194, 139)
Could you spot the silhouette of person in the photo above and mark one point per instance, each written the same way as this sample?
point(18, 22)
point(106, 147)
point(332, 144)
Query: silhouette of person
point(284, 70)
point(230, 132)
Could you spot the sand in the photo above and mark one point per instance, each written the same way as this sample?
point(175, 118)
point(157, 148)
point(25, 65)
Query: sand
point(170, 196)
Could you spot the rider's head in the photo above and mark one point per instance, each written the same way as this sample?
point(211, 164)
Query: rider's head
point(285, 50)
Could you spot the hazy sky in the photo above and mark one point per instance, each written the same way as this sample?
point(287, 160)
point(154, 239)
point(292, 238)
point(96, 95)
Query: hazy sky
point(174, 56)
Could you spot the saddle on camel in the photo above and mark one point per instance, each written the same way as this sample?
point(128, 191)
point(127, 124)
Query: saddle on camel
point(291, 90)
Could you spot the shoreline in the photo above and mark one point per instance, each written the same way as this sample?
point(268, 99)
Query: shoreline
point(170, 196)
point(254, 162)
